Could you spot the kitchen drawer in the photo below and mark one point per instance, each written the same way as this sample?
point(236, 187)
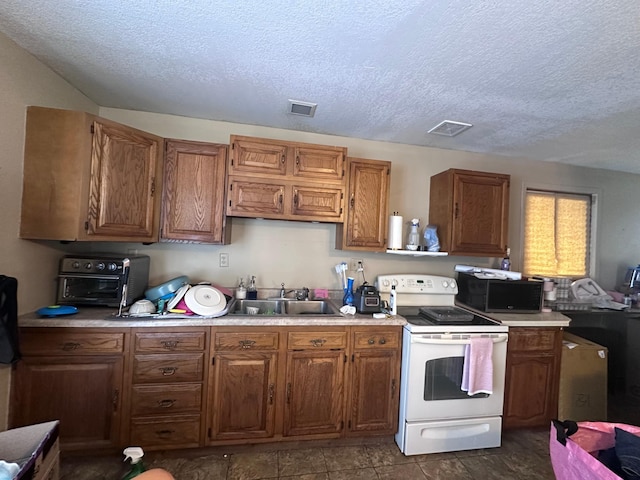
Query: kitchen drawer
point(383, 339)
point(246, 341)
point(174, 430)
point(169, 342)
point(533, 339)
point(168, 368)
point(166, 399)
point(316, 340)
point(70, 343)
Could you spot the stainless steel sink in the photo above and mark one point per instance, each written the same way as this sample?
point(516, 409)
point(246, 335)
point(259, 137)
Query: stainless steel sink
point(285, 307)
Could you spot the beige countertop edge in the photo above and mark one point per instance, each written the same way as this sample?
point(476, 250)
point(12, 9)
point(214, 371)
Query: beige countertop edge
point(99, 318)
point(550, 319)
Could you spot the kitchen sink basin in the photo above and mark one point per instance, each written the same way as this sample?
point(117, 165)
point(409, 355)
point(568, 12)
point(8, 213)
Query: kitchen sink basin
point(284, 307)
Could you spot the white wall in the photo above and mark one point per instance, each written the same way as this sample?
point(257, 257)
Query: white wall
point(303, 254)
point(25, 81)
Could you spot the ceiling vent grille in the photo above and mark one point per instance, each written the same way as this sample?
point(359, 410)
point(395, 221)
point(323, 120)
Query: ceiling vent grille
point(450, 128)
point(306, 109)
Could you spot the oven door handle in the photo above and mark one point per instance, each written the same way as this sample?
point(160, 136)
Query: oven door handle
point(453, 341)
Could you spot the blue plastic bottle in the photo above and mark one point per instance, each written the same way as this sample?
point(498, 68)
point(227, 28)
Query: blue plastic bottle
point(348, 292)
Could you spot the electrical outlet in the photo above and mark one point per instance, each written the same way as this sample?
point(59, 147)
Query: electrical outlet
point(224, 259)
point(357, 265)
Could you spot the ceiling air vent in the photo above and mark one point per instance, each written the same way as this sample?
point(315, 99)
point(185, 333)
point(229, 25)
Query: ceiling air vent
point(305, 109)
point(449, 128)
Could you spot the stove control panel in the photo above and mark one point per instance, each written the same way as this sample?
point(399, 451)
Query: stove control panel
point(417, 284)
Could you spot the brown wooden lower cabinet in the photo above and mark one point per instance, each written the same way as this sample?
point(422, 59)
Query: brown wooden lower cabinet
point(165, 388)
point(532, 376)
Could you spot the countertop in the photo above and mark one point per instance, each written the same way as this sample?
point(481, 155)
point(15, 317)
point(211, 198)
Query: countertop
point(96, 317)
point(551, 319)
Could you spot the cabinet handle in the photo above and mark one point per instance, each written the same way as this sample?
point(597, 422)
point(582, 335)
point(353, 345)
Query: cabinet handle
point(165, 433)
point(371, 341)
point(456, 211)
point(114, 399)
point(166, 403)
point(153, 186)
point(169, 344)
point(288, 392)
point(297, 159)
point(317, 342)
point(280, 199)
point(271, 393)
point(393, 386)
point(382, 341)
point(295, 199)
point(168, 371)
point(352, 202)
point(246, 344)
point(70, 346)
point(282, 160)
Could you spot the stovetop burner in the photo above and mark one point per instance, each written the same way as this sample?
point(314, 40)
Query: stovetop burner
point(444, 316)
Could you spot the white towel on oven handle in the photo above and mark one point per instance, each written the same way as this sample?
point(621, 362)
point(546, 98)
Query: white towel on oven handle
point(477, 368)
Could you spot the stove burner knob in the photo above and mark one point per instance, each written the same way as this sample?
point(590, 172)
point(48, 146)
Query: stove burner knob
point(100, 266)
point(445, 284)
point(386, 283)
point(112, 267)
point(75, 265)
point(452, 284)
point(88, 266)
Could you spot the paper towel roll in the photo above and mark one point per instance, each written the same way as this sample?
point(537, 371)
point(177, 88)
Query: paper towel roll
point(395, 232)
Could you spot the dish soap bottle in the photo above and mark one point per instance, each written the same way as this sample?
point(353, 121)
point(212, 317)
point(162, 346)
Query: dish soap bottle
point(252, 291)
point(241, 291)
point(505, 264)
point(413, 241)
point(137, 467)
point(393, 305)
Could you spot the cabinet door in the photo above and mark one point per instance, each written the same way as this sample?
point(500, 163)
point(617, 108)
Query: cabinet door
point(123, 201)
point(243, 393)
point(375, 394)
point(193, 192)
point(471, 211)
point(258, 156)
point(321, 162)
point(255, 199)
point(314, 393)
point(84, 393)
point(317, 202)
point(366, 221)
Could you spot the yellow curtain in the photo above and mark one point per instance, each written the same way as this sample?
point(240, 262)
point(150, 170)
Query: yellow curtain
point(556, 237)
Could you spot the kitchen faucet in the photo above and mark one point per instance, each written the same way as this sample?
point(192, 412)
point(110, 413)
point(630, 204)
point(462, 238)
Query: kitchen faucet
point(302, 294)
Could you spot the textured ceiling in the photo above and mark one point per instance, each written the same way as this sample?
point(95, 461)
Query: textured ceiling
point(546, 80)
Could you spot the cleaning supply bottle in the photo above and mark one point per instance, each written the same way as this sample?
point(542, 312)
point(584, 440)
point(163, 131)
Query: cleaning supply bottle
point(252, 291)
point(393, 304)
point(348, 292)
point(413, 240)
point(137, 467)
point(505, 264)
point(241, 291)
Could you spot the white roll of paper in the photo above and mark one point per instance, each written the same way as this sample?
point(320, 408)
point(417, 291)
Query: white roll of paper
point(395, 232)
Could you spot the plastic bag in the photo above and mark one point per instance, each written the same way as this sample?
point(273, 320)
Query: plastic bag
point(431, 238)
point(574, 448)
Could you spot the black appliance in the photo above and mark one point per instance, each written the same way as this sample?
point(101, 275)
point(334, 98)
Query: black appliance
point(367, 299)
point(498, 295)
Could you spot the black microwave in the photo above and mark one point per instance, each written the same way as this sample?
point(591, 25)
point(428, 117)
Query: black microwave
point(500, 296)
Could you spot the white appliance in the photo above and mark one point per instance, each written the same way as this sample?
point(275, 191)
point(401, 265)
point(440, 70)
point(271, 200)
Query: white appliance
point(436, 415)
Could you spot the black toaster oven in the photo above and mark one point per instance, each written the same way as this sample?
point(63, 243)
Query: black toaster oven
point(500, 296)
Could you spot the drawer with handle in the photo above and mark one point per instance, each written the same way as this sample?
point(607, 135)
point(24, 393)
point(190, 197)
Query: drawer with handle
point(168, 368)
point(382, 339)
point(177, 430)
point(166, 399)
point(70, 343)
point(316, 340)
point(169, 342)
point(246, 341)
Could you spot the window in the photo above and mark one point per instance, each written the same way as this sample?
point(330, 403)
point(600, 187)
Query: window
point(557, 234)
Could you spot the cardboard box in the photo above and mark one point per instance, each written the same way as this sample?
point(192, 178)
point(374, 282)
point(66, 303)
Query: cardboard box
point(583, 380)
point(35, 449)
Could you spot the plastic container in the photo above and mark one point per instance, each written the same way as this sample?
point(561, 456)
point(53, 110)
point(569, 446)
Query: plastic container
point(505, 264)
point(8, 470)
point(135, 454)
point(413, 240)
point(348, 292)
point(241, 291)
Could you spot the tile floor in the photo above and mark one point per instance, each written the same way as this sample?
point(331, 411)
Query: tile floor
point(523, 455)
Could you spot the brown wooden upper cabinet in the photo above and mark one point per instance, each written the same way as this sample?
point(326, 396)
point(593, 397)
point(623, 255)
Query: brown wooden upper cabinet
point(87, 178)
point(285, 180)
point(471, 212)
point(366, 220)
point(194, 192)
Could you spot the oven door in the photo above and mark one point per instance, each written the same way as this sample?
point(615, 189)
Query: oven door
point(434, 374)
point(89, 290)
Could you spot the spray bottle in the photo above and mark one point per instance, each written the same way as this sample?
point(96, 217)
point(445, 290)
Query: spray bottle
point(137, 467)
